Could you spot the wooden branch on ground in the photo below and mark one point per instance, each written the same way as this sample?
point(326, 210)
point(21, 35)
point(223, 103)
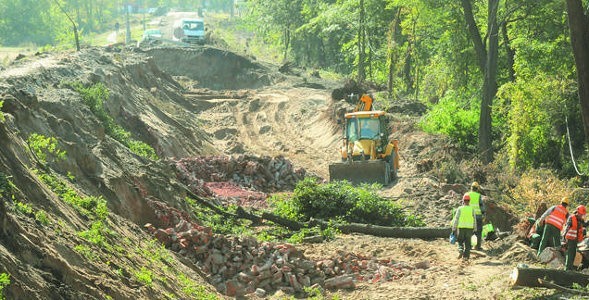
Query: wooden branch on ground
point(555, 286)
point(529, 277)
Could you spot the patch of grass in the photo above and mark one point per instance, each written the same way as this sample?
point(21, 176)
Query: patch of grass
point(144, 276)
point(91, 206)
point(97, 234)
point(86, 251)
point(23, 208)
point(327, 234)
point(218, 223)
point(45, 147)
point(94, 97)
point(154, 252)
point(195, 291)
point(42, 217)
point(4, 282)
point(2, 119)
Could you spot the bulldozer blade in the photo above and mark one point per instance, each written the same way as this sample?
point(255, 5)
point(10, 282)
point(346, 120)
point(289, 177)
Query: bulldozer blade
point(356, 172)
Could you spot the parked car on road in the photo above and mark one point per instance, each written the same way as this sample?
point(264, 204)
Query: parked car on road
point(151, 33)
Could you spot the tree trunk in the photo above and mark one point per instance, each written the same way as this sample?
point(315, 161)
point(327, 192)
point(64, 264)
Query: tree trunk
point(286, 42)
point(510, 52)
point(488, 64)
point(391, 53)
point(361, 44)
point(579, 27)
point(529, 277)
point(475, 35)
point(489, 84)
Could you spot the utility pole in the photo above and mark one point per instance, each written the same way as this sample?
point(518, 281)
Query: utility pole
point(128, 26)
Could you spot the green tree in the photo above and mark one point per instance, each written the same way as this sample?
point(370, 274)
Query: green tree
point(579, 30)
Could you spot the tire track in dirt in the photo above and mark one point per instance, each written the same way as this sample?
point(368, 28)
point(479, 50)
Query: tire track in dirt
point(288, 122)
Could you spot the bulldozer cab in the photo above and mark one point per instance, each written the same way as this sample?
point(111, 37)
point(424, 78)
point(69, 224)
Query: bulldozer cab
point(367, 154)
point(362, 126)
point(363, 129)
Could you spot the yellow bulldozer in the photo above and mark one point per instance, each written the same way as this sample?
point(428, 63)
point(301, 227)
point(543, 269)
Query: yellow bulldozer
point(367, 153)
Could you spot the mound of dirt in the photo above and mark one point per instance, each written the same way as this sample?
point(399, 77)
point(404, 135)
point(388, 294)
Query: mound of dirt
point(213, 68)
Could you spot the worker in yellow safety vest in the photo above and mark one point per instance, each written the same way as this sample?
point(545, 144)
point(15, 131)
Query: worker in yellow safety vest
point(463, 226)
point(477, 204)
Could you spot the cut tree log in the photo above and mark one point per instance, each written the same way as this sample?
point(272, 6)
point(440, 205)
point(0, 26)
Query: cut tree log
point(395, 232)
point(528, 277)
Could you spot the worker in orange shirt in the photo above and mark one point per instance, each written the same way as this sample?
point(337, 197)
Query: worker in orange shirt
point(573, 233)
point(553, 220)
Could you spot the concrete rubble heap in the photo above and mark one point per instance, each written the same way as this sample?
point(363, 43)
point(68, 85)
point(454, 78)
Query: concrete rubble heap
point(240, 266)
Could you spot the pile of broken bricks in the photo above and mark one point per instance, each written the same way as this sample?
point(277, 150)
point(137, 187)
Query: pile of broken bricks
point(268, 174)
point(239, 266)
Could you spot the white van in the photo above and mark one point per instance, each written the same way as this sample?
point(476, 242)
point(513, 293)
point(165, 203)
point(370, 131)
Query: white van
point(190, 31)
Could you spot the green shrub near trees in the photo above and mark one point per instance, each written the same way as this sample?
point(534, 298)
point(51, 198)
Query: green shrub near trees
point(341, 201)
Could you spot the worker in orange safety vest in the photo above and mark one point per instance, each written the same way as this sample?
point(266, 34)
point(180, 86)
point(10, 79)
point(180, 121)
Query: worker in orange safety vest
point(553, 220)
point(573, 233)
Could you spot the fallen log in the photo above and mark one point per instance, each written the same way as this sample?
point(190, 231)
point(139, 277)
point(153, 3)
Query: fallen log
point(396, 232)
point(528, 277)
point(552, 285)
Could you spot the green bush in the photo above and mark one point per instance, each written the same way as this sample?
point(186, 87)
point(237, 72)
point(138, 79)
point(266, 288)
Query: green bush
point(96, 234)
point(142, 149)
point(43, 146)
point(144, 276)
point(452, 117)
point(341, 201)
point(42, 217)
point(24, 208)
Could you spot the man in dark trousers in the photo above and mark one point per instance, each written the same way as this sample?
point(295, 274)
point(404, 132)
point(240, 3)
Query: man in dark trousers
point(464, 225)
point(553, 220)
point(573, 233)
